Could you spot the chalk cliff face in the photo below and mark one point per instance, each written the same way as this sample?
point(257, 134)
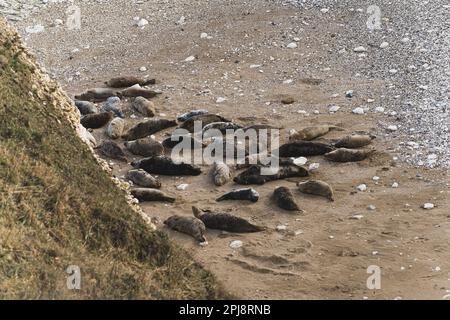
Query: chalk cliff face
point(59, 210)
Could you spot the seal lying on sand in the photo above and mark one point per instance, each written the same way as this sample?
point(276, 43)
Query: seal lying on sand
point(310, 133)
point(354, 141)
point(111, 150)
point(146, 147)
point(285, 199)
point(142, 178)
point(316, 187)
point(113, 104)
point(97, 94)
point(188, 225)
point(300, 148)
point(190, 114)
point(137, 91)
point(96, 120)
point(253, 175)
point(144, 106)
point(86, 107)
point(146, 128)
point(115, 128)
point(219, 126)
point(240, 194)
point(221, 173)
point(225, 221)
point(149, 194)
point(165, 166)
point(168, 143)
point(128, 81)
point(205, 120)
point(348, 155)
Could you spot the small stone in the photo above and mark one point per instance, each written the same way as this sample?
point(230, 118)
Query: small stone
point(182, 186)
point(35, 29)
point(220, 99)
point(142, 22)
point(359, 49)
point(371, 207)
point(236, 244)
point(349, 93)
point(361, 187)
point(288, 100)
point(379, 109)
point(428, 206)
point(333, 109)
point(357, 217)
point(288, 81)
point(300, 161)
point(203, 35)
point(375, 178)
point(314, 166)
point(395, 185)
point(392, 128)
point(142, 69)
point(291, 45)
point(358, 110)
point(190, 59)
point(281, 227)
point(384, 45)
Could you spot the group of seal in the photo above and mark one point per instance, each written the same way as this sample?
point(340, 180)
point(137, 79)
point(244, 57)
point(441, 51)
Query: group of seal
point(138, 140)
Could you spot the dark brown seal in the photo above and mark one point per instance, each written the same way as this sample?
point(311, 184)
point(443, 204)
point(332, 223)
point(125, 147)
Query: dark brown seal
point(146, 128)
point(166, 166)
point(146, 147)
point(96, 120)
point(303, 148)
point(205, 120)
point(111, 150)
point(285, 199)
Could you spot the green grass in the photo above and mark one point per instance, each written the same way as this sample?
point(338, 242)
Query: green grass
point(58, 208)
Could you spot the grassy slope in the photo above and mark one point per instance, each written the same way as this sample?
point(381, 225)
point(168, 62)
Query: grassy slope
point(58, 208)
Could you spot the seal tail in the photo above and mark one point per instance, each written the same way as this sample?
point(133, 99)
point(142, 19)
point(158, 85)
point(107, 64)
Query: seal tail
point(336, 128)
point(252, 228)
point(223, 197)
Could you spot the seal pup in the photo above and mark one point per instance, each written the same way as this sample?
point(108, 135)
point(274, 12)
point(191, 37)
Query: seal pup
point(146, 147)
point(300, 148)
point(190, 114)
point(146, 128)
point(205, 120)
point(166, 166)
point(142, 178)
point(144, 106)
point(111, 150)
point(221, 173)
point(138, 91)
point(285, 199)
point(354, 141)
point(168, 143)
point(225, 221)
point(348, 155)
point(188, 225)
point(128, 81)
point(316, 187)
point(240, 194)
point(86, 107)
point(310, 133)
point(96, 120)
point(220, 126)
point(113, 104)
point(253, 175)
point(96, 94)
point(115, 128)
point(150, 194)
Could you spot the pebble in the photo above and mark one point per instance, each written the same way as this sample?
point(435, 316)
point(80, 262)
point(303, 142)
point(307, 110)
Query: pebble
point(292, 45)
point(361, 187)
point(333, 109)
point(203, 35)
point(349, 93)
point(314, 166)
point(220, 99)
point(142, 69)
point(395, 185)
point(359, 49)
point(300, 161)
point(35, 29)
point(379, 109)
point(281, 227)
point(376, 178)
point(182, 186)
point(142, 22)
point(357, 217)
point(371, 207)
point(189, 59)
point(384, 45)
point(392, 128)
point(236, 244)
point(358, 110)
point(428, 206)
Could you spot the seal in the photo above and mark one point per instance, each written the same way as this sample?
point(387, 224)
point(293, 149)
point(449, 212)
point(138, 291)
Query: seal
point(316, 187)
point(137, 91)
point(97, 94)
point(111, 150)
point(221, 173)
point(225, 221)
point(240, 194)
point(310, 133)
point(144, 106)
point(300, 148)
point(149, 194)
point(285, 199)
point(113, 104)
point(143, 179)
point(219, 126)
point(146, 147)
point(128, 81)
point(115, 128)
point(354, 141)
point(148, 127)
point(190, 114)
point(96, 120)
point(253, 175)
point(86, 107)
point(348, 155)
point(165, 166)
point(188, 225)
point(205, 120)
point(168, 143)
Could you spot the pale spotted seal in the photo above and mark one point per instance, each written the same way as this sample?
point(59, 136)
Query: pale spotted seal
point(188, 225)
point(354, 141)
point(113, 104)
point(190, 114)
point(221, 173)
point(138, 91)
point(128, 81)
point(146, 128)
point(115, 128)
point(144, 106)
point(205, 120)
point(142, 178)
point(317, 187)
point(97, 94)
point(348, 155)
point(150, 194)
point(146, 147)
point(310, 133)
